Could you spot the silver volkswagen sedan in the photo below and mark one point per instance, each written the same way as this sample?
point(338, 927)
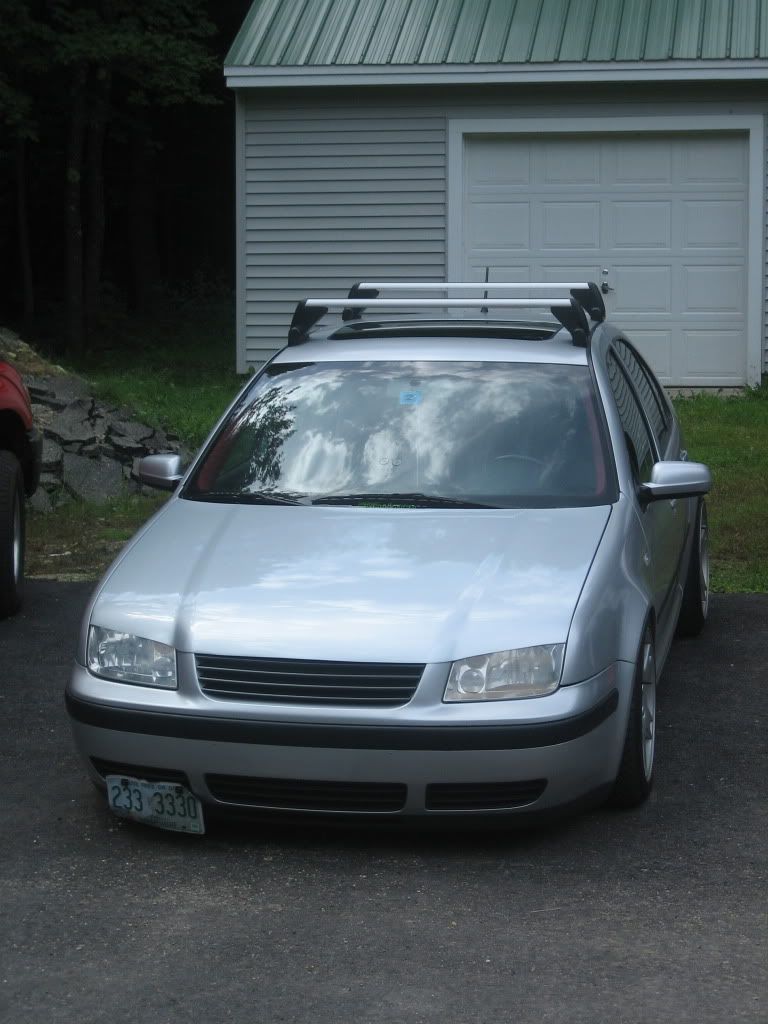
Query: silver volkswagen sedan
point(422, 569)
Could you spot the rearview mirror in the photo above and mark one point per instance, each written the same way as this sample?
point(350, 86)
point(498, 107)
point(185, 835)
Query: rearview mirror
point(676, 480)
point(162, 471)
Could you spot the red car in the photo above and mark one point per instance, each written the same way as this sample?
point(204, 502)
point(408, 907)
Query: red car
point(20, 460)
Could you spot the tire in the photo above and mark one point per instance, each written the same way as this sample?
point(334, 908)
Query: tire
point(635, 779)
point(695, 606)
point(11, 534)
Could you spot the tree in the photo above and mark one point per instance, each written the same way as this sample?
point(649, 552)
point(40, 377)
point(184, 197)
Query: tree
point(19, 63)
point(120, 56)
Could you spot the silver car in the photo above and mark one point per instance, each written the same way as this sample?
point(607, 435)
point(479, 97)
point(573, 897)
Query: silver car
point(422, 569)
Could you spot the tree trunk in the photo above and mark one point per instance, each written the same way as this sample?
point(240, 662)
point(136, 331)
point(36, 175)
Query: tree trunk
point(22, 217)
point(143, 220)
point(74, 217)
point(94, 184)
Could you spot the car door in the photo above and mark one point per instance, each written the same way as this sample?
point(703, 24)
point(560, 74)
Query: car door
point(657, 518)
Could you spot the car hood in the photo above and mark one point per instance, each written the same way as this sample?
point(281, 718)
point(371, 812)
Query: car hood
point(352, 584)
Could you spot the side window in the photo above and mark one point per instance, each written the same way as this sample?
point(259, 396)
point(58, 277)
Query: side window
point(647, 388)
point(636, 434)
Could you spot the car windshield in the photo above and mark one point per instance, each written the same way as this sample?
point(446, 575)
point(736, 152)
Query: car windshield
point(489, 434)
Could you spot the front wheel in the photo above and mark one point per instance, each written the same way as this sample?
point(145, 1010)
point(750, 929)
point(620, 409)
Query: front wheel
point(635, 778)
point(11, 534)
point(695, 605)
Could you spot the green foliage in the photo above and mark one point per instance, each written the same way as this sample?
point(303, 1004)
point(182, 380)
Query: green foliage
point(175, 369)
point(156, 47)
point(731, 436)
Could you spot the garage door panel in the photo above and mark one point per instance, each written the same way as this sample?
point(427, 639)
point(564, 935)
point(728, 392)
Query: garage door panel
point(570, 162)
point(713, 356)
point(642, 290)
point(495, 162)
point(642, 163)
point(718, 160)
point(714, 224)
point(664, 214)
point(717, 289)
point(495, 225)
point(635, 224)
point(570, 225)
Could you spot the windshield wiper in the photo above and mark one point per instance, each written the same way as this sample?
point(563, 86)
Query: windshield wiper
point(412, 500)
point(256, 498)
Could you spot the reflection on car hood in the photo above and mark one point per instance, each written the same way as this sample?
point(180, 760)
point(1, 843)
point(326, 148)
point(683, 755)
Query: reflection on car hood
point(352, 584)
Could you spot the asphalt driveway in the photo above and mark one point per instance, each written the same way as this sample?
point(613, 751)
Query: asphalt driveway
point(654, 915)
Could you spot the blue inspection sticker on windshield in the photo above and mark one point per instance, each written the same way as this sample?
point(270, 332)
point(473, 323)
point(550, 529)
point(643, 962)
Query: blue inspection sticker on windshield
point(410, 398)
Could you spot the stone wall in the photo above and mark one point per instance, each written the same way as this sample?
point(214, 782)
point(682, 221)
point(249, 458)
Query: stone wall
point(90, 448)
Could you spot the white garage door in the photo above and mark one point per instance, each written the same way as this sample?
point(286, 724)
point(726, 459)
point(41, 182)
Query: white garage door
point(661, 219)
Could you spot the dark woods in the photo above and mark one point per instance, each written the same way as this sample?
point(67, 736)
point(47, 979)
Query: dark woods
point(116, 148)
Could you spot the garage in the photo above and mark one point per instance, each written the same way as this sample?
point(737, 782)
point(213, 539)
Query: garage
point(428, 140)
point(660, 220)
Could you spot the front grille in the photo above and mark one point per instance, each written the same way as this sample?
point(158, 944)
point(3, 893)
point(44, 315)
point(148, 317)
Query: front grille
point(283, 681)
point(308, 795)
point(482, 796)
point(139, 771)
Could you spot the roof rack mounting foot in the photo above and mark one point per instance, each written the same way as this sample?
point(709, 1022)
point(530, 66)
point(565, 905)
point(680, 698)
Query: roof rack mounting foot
point(591, 300)
point(358, 292)
point(574, 319)
point(304, 318)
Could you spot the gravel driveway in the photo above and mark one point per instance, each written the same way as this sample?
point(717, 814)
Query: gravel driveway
point(653, 915)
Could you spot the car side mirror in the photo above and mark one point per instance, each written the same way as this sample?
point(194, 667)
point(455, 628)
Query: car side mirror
point(162, 471)
point(676, 480)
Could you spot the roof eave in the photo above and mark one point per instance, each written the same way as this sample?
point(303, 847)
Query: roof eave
point(336, 75)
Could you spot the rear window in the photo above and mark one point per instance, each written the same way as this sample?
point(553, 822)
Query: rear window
point(417, 433)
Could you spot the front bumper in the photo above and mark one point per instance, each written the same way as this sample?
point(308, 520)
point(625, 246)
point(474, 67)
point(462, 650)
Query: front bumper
point(431, 761)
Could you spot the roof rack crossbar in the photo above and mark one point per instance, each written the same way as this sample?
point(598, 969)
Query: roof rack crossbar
point(481, 286)
point(328, 303)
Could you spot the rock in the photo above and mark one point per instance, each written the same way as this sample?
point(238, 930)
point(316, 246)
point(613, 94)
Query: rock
point(73, 425)
point(130, 430)
point(92, 479)
point(41, 501)
point(52, 454)
point(58, 392)
point(42, 415)
point(50, 481)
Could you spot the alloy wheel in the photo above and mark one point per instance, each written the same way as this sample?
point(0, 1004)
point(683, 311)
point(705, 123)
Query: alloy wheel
point(648, 705)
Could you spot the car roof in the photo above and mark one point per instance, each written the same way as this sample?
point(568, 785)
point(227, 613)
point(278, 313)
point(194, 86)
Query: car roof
point(453, 340)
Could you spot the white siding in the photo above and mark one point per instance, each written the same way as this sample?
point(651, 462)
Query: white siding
point(333, 196)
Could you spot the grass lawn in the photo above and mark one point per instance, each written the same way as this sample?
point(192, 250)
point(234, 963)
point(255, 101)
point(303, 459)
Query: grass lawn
point(177, 371)
point(731, 436)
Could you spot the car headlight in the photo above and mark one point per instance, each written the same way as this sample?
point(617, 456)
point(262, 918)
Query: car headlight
point(506, 675)
point(125, 658)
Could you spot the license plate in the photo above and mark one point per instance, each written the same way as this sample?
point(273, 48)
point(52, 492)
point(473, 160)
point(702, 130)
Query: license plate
point(162, 804)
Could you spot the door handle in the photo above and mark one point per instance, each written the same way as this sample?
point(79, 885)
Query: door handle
point(605, 288)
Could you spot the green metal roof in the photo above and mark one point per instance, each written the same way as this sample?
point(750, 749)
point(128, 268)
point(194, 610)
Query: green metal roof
point(392, 33)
